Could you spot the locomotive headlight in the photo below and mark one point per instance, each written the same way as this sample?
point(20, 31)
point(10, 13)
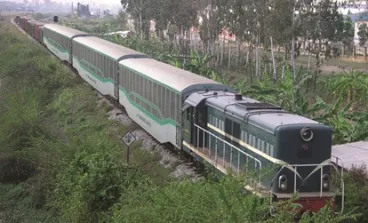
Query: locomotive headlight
point(283, 182)
point(325, 181)
point(306, 134)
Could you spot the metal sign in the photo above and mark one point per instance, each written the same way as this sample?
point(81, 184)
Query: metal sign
point(128, 139)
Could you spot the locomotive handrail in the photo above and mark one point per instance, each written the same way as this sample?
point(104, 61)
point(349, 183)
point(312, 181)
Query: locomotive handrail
point(257, 161)
point(294, 169)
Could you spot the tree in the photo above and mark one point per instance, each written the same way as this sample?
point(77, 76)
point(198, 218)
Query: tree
point(161, 13)
point(140, 11)
point(122, 19)
point(323, 24)
point(363, 34)
point(348, 33)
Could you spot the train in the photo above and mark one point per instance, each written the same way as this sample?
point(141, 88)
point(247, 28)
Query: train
point(234, 134)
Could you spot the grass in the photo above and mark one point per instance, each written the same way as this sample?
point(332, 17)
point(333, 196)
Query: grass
point(48, 121)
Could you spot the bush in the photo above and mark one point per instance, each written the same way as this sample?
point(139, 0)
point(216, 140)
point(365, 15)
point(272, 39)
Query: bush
point(15, 169)
point(92, 183)
point(356, 189)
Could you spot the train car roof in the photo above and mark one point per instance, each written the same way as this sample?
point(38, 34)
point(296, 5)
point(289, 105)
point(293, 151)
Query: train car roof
point(178, 80)
point(255, 112)
point(352, 154)
point(40, 23)
point(63, 30)
point(108, 48)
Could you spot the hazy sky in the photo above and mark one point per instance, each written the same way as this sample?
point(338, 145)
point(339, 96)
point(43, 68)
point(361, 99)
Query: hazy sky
point(82, 1)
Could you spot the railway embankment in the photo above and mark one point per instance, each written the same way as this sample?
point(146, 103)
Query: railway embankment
point(62, 160)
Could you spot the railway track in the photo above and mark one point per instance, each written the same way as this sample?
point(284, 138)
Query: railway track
point(186, 164)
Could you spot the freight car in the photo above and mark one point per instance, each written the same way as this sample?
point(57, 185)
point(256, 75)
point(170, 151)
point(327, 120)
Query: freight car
point(58, 39)
point(208, 120)
point(37, 31)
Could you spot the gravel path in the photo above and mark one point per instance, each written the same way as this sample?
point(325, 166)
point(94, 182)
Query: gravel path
point(181, 167)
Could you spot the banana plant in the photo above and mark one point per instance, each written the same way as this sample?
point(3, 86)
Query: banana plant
point(353, 86)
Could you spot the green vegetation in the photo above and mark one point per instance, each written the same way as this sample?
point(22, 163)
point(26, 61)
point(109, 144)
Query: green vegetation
point(61, 159)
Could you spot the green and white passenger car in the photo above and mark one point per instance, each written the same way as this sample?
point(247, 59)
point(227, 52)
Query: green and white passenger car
point(58, 39)
point(153, 94)
point(96, 61)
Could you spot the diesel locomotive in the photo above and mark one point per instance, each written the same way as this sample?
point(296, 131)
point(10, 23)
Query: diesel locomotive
point(208, 120)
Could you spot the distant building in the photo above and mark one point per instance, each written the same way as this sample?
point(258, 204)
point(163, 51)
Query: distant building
point(83, 10)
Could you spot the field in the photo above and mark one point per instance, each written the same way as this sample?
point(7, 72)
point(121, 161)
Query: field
point(61, 159)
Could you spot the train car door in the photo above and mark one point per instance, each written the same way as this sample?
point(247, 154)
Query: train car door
point(201, 121)
point(188, 127)
point(194, 117)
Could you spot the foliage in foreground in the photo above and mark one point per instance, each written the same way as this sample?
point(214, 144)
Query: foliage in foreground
point(73, 164)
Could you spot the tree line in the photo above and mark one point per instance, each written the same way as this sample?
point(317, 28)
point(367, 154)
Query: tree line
point(290, 24)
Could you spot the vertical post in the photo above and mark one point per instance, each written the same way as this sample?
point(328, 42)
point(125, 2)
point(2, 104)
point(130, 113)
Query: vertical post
point(223, 155)
point(128, 151)
point(203, 138)
point(320, 195)
point(239, 162)
point(197, 136)
point(231, 158)
point(216, 152)
point(209, 144)
point(296, 169)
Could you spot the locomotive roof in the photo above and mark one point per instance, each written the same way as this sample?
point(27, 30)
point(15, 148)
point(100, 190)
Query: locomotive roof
point(174, 78)
point(108, 48)
point(63, 30)
point(264, 115)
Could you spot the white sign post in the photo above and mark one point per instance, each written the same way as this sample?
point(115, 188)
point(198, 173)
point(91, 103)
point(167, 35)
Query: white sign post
point(128, 140)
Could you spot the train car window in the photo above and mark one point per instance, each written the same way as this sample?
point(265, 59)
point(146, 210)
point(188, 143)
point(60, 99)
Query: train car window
point(104, 66)
point(143, 86)
point(149, 89)
point(132, 82)
point(179, 103)
point(141, 81)
point(130, 85)
point(236, 130)
point(167, 101)
point(155, 94)
point(124, 78)
point(228, 126)
point(263, 146)
point(98, 65)
point(271, 150)
point(173, 105)
point(160, 98)
point(250, 139)
point(137, 83)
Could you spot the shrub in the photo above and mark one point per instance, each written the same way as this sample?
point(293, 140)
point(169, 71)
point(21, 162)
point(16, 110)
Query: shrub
point(15, 169)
